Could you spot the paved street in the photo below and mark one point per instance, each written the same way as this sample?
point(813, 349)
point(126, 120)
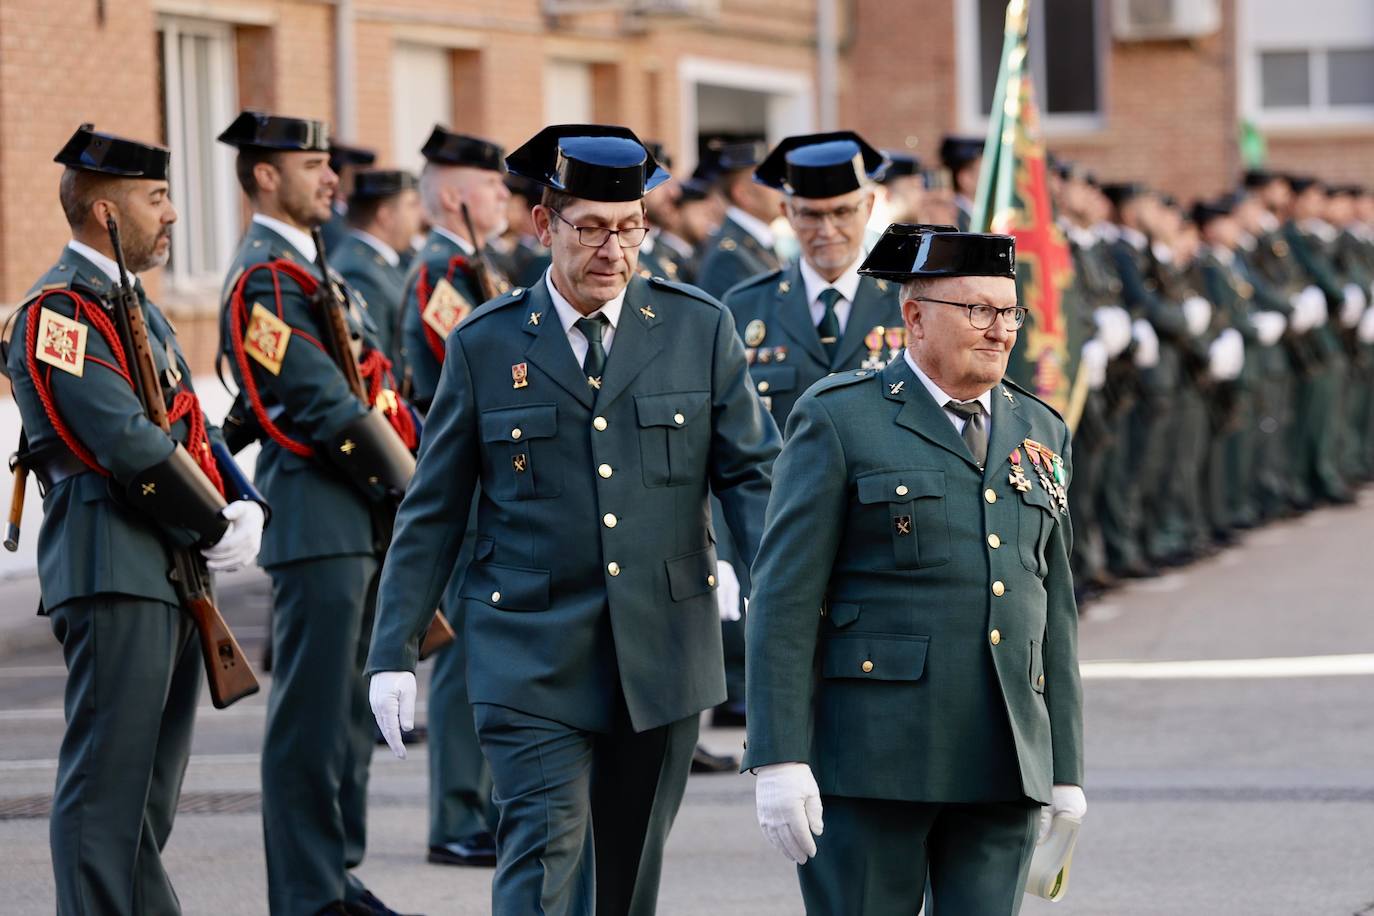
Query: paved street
point(1213, 789)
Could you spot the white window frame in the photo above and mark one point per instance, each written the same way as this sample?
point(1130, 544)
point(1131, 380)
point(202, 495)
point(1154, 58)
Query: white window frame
point(791, 99)
point(1321, 113)
point(968, 77)
point(185, 170)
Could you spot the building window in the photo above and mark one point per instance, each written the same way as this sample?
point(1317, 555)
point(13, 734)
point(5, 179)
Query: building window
point(1065, 38)
point(1308, 64)
point(196, 65)
point(421, 96)
point(568, 92)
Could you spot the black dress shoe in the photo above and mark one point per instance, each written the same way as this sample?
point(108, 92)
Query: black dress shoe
point(728, 715)
point(703, 761)
point(476, 850)
point(369, 905)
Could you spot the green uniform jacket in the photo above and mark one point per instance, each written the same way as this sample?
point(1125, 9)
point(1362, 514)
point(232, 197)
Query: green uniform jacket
point(381, 286)
point(316, 511)
point(787, 357)
point(436, 257)
point(1144, 299)
point(732, 256)
point(880, 651)
point(1231, 295)
point(594, 568)
point(90, 540)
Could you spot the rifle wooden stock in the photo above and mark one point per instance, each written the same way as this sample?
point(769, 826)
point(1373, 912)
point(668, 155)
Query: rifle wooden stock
point(486, 279)
point(227, 670)
point(437, 636)
point(21, 478)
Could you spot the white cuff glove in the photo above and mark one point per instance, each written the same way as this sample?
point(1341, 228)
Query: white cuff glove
point(727, 591)
point(1197, 312)
point(1146, 344)
point(1365, 332)
point(1269, 326)
point(1352, 307)
point(239, 545)
point(1113, 328)
point(1094, 358)
point(392, 697)
point(1063, 800)
point(789, 809)
point(1316, 307)
point(1226, 356)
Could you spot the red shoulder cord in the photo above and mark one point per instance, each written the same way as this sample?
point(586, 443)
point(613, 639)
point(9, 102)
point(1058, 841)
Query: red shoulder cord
point(374, 367)
point(422, 294)
point(185, 404)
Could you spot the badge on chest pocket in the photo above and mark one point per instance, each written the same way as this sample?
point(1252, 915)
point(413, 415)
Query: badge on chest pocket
point(519, 444)
point(917, 520)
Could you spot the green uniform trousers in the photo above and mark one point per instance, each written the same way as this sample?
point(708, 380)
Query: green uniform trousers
point(876, 857)
point(133, 679)
point(319, 737)
point(584, 815)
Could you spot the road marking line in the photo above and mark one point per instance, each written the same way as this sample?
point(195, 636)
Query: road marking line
point(1221, 669)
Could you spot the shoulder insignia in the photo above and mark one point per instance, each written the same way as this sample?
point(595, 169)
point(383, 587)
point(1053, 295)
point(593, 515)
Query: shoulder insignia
point(266, 339)
point(61, 342)
point(49, 287)
point(286, 253)
point(784, 287)
point(843, 380)
point(647, 312)
point(379, 260)
point(257, 243)
point(445, 309)
point(1026, 394)
point(727, 244)
point(882, 286)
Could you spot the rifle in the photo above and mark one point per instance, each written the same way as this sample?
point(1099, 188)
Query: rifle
point(339, 341)
point(481, 268)
point(21, 479)
point(227, 670)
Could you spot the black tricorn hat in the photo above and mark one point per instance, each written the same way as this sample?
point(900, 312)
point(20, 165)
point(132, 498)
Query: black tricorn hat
point(260, 130)
point(660, 154)
point(1254, 179)
point(374, 183)
point(821, 165)
point(590, 161)
point(341, 155)
point(694, 188)
point(444, 147)
point(106, 154)
point(1204, 211)
point(735, 155)
point(907, 251)
point(957, 152)
point(900, 165)
point(1301, 183)
point(1122, 192)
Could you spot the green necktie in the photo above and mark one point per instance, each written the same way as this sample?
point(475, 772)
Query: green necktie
point(594, 363)
point(829, 327)
point(975, 434)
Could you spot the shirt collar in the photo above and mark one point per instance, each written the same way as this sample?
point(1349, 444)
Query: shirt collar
point(568, 316)
point(847, 283)
point(1134, 237)
point(1223, 254)
point(107, 266)
point(940, 396)
point(382, 248)
point(755, 227)
point(301, 241)
point(457, 239)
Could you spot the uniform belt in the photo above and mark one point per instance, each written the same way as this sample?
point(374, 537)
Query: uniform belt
point(54, 468)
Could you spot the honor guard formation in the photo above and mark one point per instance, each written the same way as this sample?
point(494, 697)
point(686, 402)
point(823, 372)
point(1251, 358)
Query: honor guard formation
point(619, 449)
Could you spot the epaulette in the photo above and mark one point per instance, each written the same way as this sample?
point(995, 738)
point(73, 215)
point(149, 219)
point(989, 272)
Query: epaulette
point(1008, 383)
point(764, 279)
point(685, 289)
point(510, 297)
point(843, 379)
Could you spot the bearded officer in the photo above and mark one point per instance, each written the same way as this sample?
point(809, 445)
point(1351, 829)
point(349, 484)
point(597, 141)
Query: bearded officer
point(933, 706)
point(598, 411)
point(745, 244)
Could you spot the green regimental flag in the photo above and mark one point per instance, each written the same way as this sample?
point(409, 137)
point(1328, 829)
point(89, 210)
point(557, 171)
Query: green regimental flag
point(1013, 199)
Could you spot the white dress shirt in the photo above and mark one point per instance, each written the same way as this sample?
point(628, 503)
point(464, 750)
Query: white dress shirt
point(107, 265)
point(568, 316)
point(458, 240)
point(298, 239)
point(755, 227)
point(942, 399)
point(382, 248)
point(847, 283)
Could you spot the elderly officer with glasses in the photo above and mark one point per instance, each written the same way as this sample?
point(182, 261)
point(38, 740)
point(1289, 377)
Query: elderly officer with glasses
point(916, 727)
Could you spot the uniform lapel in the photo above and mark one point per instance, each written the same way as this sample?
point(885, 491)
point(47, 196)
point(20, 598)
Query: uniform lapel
point(871, 307)
point(549, 348)
point(635, 345)
point(1009, 429)
point(919, 412)
point(794, 314)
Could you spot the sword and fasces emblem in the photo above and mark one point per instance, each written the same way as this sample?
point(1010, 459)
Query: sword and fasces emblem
point(61, 342)
point(445, 309)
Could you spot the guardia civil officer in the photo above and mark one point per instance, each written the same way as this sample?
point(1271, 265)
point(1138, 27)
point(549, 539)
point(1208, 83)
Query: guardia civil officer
point(933, 706)
point(331, 465)
point(344, 160)
point(597, 410)
point(744, 245)
point(963, 157)
point(383, 216)
point(117, 491)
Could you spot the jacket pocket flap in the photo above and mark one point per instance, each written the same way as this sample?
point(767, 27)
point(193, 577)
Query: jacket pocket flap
point(691, 574)
point(900, 486)
point(878, 657)
point(842, 615)
point(510, 588)
point(1040, 497)
point(773, 379)
point(676, 408)
point(514, 424)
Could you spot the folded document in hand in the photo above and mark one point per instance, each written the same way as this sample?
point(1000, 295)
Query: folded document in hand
point(1049, 871)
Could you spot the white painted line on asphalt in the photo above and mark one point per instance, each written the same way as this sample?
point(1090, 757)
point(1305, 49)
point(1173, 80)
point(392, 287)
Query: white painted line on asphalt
point(1220, 669)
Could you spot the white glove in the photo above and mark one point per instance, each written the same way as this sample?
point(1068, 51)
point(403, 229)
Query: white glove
point(1316, 307)
point(1113, 328)
point(789, 809)
point(1269, 326)
point(1197, 312)
point(1063, 800)
point(1352, 307)
point(392, 696)
point(1146, 344)
point(1365, 332)
point(727, 591)
point(1226, 355)
point(239, 545)
point(1094, 358)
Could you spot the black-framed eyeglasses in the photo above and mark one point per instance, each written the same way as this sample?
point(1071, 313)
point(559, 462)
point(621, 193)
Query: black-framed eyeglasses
point(596, 236)
point(982, 316)
point(806, 218)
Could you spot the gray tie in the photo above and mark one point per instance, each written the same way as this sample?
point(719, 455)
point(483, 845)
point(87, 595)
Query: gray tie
point(975, 433)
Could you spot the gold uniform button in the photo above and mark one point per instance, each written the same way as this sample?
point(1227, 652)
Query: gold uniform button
point(902, 490)
point(995, 636)
point(613, 568)
point(495, 597)
point(994, 541)
point(1040, 681)
point(990, 495)
point(763, 387)
point(679, 419)
point(711, 581)
point(609, 520)
point(516, 433)
point(599, 423)
point(998, 588)
point(605, 470)
point(867, 667)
